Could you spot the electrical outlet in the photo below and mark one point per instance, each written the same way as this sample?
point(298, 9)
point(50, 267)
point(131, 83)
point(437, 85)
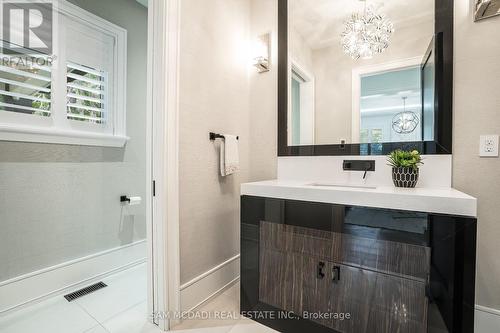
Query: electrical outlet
point(488, 146)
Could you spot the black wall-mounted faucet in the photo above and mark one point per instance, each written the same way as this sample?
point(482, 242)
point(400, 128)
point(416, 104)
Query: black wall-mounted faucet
point(359, 165)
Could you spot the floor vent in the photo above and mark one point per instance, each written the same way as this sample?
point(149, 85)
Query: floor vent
point(85, 291)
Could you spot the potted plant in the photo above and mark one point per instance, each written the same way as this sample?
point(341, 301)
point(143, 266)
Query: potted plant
point(405, 167)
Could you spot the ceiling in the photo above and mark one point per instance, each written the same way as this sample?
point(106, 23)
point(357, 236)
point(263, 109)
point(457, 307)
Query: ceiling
point(320, 22)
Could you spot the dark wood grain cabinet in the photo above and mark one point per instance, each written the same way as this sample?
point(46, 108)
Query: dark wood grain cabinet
point(354, 269)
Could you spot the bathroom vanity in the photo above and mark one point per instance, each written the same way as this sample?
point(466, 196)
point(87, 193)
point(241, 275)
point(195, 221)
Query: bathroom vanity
point(325, 258)
point(364, 256)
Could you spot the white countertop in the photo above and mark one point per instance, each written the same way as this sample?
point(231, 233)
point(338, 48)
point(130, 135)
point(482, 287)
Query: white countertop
point(432, 200)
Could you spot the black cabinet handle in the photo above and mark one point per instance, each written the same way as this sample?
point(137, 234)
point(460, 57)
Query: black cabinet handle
point(320, 273)
point(336, 273)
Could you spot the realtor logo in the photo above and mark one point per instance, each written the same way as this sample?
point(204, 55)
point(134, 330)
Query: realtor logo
point(27, 27)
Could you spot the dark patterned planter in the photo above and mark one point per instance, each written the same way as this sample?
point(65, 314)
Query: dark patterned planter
point(405, 177)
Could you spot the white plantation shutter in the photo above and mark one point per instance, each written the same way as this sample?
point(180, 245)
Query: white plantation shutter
point(25, 87)
point(89, 75)
point(86, 94)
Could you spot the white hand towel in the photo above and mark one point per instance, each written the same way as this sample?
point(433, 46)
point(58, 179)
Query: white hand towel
point(229, 156)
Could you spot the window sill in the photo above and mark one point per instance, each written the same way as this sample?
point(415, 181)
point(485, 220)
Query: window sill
point(57, 136)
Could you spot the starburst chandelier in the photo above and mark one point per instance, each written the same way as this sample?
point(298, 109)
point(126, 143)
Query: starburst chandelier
point(366, 33)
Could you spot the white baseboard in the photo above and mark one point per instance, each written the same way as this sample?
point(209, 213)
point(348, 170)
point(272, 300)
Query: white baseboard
point(68, 276)
point(209, 284)
point(487, 320)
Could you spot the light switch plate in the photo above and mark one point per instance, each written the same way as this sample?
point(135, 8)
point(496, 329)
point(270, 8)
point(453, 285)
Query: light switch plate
point(488, 146)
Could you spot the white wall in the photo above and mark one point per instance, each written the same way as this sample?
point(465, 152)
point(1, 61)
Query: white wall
point(60, 202)
point(300, 52)
point(476, 112)
point(220, 92)
point(213, 96)
point(263, 96)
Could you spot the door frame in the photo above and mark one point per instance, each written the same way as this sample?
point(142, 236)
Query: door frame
point(373, 69)
point(305, 73)
point(163, 166)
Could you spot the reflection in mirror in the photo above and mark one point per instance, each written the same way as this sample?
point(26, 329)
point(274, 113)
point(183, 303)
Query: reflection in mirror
point(360, 71)
point(390, 104)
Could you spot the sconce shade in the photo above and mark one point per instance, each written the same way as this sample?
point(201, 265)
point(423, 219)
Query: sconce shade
point(260, 53)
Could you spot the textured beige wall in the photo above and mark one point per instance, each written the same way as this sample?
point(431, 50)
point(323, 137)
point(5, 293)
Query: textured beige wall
point(476, 112)
point(219, 91)
point(214, 95)
point(263, 96)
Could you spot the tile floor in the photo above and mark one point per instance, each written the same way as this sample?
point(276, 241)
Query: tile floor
point(122, 308)
point(226, 302)
point(105, 310)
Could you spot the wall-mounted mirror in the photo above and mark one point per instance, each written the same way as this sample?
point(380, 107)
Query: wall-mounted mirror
point(356, 76)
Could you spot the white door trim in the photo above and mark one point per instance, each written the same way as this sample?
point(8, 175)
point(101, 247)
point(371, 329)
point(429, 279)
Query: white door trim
point(372, 69)
point(309, 86)
point(164, 34)
point(149, 170)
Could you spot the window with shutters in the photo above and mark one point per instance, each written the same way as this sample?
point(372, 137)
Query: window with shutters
point(25, 88)
point(86, 94)
point(77, 95)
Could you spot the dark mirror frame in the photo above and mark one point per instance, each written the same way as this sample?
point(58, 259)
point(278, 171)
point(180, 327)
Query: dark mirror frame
point(442, 143)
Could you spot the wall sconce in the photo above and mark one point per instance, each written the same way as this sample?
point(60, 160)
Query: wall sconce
point(261, 53)
point(486, 9)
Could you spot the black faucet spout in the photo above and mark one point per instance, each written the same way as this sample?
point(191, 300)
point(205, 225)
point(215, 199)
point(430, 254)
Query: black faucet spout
point(359, 165)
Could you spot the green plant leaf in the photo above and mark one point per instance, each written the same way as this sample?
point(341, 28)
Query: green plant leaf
point(404, 159)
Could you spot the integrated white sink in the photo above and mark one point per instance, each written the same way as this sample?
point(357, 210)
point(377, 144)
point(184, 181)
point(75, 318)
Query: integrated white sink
point(343, 185)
